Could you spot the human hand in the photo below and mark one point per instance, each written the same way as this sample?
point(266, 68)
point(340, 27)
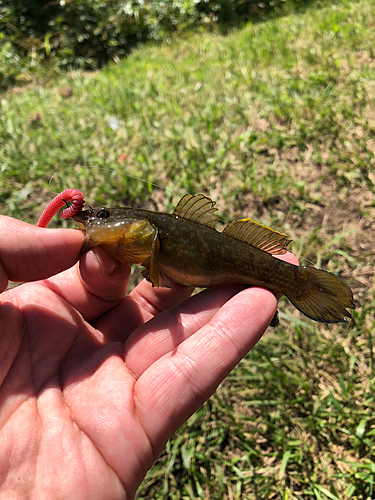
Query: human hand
point(93, 384)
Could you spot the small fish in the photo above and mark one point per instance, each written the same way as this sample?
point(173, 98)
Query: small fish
point(184, 247)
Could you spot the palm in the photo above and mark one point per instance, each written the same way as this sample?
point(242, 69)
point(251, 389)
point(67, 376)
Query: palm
point(93, 385)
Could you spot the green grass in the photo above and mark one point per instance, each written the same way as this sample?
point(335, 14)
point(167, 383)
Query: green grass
point(276, 122)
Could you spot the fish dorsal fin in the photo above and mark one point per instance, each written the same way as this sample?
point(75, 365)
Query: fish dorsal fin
point(197, 208)
point(259, 236)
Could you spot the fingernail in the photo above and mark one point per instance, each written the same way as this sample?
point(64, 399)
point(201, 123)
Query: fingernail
point(108, 264)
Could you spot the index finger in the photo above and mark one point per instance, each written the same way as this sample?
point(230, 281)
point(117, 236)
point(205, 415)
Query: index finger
point(29, 253)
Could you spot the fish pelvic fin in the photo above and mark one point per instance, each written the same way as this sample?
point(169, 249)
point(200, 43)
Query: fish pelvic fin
point(322, 296)
point(163, 280)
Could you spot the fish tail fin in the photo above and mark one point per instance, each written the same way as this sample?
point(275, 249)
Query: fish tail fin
point(322, 296)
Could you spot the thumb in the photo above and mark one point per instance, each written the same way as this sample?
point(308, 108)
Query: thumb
point(29, 253)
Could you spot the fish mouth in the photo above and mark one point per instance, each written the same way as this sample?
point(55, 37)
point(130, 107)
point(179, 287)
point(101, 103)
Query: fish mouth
point(82, 217)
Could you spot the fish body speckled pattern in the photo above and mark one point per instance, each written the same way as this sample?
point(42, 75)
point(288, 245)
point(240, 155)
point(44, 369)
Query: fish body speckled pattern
point(184, 247)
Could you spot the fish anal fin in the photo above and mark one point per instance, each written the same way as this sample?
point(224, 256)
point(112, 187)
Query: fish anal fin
point(259, 236)
point(198, 208)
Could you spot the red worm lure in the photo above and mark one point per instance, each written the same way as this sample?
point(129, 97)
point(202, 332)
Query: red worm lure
point(73, 195)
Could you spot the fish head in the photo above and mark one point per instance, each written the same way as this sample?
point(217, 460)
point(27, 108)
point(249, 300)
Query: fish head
point(128, 239)
point(102, 224)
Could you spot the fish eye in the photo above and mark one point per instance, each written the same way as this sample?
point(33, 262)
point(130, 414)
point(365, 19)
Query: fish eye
point(102, 213)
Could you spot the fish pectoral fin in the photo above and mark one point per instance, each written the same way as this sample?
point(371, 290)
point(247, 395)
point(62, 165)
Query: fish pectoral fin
point(259, 236)
point(152, 271)
point(198, 208)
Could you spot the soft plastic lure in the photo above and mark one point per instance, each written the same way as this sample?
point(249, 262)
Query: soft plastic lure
point(68, 195)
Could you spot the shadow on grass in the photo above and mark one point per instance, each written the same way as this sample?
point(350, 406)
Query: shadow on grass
point(83, 35)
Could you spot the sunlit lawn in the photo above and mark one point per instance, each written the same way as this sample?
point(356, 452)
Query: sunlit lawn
point(275, 122)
